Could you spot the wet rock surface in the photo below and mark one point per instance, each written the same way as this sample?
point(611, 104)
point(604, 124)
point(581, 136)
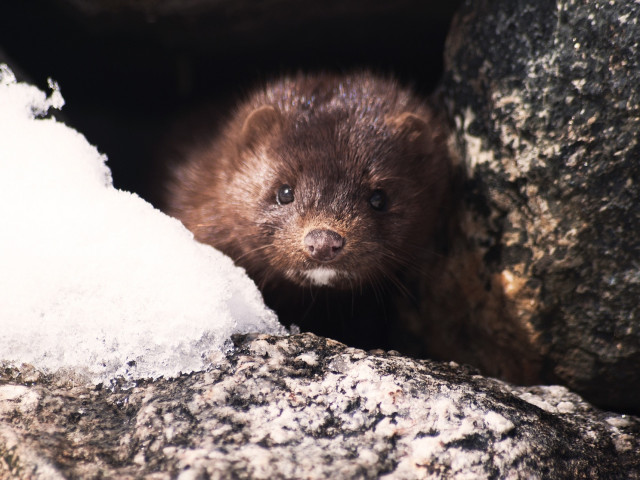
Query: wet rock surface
point(307, 407)
point(545, 101)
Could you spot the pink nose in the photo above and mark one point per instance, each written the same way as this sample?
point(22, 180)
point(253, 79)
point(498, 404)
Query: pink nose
point(323, 245)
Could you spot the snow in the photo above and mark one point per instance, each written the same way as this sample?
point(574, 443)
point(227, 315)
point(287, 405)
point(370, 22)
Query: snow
point(93, 279)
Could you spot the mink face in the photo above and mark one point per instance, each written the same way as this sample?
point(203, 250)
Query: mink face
point(319, 181)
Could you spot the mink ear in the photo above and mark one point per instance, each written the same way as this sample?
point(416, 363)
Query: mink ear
point(261, 122)
point(412, 127)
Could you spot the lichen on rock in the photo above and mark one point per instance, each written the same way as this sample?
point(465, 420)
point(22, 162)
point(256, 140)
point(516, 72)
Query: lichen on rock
point(545, 102)
point(307, 407)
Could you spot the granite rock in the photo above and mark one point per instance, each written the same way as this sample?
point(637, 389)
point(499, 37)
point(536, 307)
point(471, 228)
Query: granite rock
point(544, 99)
point(307, 407)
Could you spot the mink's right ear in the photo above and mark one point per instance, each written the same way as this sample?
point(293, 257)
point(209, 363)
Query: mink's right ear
point(413, 127)
point(262, 122)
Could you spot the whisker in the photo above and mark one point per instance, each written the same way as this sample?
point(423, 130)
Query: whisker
point(262, 247)
point(271, 226)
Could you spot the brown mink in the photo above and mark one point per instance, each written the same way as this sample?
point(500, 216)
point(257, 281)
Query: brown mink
point(328, 190)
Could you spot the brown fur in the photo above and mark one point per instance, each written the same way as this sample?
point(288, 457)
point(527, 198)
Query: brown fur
point(335, 140)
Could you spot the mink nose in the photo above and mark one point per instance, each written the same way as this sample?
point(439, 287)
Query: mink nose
point(323, 245)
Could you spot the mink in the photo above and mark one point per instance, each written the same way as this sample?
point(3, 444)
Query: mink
point(330, 190)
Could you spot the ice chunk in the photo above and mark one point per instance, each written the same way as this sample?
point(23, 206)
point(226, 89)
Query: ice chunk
point(94, 279)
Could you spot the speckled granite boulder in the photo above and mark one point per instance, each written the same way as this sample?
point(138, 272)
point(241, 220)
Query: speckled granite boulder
point(545, 98)
point(307, 407)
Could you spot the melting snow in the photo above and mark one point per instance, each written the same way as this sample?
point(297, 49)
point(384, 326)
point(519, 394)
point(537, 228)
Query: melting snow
point(94, 279)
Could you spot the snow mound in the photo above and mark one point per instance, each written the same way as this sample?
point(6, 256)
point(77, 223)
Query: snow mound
point(94, 279)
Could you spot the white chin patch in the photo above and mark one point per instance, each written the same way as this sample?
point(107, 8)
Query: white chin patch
point(320, 276)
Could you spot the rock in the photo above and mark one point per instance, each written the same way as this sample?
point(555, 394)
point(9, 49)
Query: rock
point(545, 100)
point(308, 407)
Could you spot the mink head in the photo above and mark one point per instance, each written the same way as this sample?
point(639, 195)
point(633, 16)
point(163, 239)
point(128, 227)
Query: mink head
point(329, 181)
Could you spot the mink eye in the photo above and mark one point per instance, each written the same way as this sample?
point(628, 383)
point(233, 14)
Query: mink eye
point(378, 200)
point(284, 195)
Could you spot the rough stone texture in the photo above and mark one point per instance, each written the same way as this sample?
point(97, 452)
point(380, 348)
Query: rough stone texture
point(545, 99)
point(307, 407)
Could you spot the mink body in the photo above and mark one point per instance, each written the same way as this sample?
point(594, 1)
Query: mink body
point(329, 190)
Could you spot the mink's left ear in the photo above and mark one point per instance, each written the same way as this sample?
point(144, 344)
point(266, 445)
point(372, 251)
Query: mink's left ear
point(412, 127)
